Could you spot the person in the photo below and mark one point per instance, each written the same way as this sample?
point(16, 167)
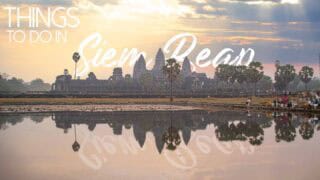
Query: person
point(310, 104)
point(248, 102)
point(289, 105)
point(248, 114)
point(275, 103)
point(315, 103)
point(285, 100)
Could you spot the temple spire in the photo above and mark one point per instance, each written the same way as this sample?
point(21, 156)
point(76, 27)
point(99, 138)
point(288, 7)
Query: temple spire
point(139, 67)
point(159, 63)
point(186, 67)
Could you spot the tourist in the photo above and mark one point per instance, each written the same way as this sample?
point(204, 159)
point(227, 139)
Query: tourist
point(285, 100)
point(248, 102)
point(289, 105)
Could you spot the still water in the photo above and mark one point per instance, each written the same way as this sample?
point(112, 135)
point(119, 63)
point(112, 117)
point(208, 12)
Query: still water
point(159, 145)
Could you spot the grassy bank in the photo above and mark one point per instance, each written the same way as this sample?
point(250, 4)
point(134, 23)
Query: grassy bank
point(82, 101)
point(258, 103)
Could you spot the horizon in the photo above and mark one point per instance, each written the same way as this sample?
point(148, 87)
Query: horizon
point(271, 70)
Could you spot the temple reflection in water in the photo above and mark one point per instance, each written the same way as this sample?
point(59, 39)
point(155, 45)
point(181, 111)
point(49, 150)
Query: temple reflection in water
point(171, 128)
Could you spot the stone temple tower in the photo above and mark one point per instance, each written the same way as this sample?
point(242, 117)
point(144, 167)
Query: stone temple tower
point(159, 63)
point(139, 67)
point(186, 68)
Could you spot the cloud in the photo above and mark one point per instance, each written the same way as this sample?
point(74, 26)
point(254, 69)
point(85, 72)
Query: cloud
point(104, 2)
point(37, 2)
point(305, 32)
point(55, 2)
point(281, 11)
point(273, 1)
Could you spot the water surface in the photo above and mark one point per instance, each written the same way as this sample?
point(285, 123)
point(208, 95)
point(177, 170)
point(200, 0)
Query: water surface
point(159, 145)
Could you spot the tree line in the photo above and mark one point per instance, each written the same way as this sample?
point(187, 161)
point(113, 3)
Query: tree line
point(14, 84)
point(285, 77)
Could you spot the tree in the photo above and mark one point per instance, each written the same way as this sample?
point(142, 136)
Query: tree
point(75, 58)
point(240, 74)
point(254, 73)
point(39, 85)
point(3, 83)
point(15, 84)
point(295, 84)
point(283, 76)
point(265, 83)
point(305, 75)
point(225, 73)
point(171, 71)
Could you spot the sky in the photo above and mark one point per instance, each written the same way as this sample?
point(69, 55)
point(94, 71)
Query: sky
point(284, 30)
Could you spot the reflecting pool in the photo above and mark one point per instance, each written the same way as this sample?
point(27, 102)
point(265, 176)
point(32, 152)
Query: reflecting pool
point(159, 145)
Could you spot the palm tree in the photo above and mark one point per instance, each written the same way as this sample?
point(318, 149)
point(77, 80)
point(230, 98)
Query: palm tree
point(284, 75)
point(76, 58)
point(228, 74)
point(306, 75)
point(171, 71)
point(254, 73)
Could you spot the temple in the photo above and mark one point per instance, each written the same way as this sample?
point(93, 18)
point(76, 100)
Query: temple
point(119, 83)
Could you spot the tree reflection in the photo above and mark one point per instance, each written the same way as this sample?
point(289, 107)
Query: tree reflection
point(166, 126)
point(37, 119)
point(284, 129)
point(3, 125)
point(6, 120)
point(226, 132)
point(306, 130)
point(75, 145)
point(249, 130)
point(254, 132)
point(171, 137)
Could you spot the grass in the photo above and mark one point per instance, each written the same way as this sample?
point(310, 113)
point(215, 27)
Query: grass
point(81, 101)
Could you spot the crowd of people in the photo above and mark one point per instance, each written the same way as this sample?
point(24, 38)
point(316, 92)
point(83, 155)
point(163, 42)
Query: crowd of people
point(283, 102)
point(305, 100)
point(312, 99)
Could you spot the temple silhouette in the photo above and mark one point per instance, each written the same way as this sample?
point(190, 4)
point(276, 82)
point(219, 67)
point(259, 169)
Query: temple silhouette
point(118, 82)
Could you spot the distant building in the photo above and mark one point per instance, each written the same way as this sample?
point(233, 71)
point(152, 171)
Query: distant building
point(91, 76)
point(117, 74)
point(119, 83)
point(186, 68)
point(139, 68)
point(65, 83)
point(157, 71)
point(198, 80)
